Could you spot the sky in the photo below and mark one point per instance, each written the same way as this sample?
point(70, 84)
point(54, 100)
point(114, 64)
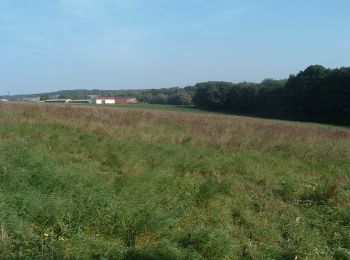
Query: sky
point(50, 45)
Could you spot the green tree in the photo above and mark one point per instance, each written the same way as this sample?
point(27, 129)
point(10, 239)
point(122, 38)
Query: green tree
point(44, 97)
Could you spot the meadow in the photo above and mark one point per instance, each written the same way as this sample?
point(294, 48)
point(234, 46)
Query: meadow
point(109, 182)
point(162, 107)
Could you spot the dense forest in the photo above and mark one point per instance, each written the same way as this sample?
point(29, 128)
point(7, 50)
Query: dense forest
point(315, 94)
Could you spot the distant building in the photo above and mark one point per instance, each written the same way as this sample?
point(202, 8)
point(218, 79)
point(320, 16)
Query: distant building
point(3, 100)
point(58, 101)
point(80, 101)
point(115, 100)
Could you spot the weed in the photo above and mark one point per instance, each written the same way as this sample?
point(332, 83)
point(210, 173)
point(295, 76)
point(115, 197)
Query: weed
point(91, 182)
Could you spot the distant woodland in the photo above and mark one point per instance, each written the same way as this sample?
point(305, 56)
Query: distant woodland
point(316, 94)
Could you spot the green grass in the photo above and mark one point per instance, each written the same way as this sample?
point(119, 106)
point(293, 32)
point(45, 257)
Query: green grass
point(156, 185)
point(143, 106)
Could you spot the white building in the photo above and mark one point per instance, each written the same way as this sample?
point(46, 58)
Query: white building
point(58, 100)
point(115, 100)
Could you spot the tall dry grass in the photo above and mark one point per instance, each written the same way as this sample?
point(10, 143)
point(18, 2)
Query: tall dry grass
point(232, 133)
point(90, 182)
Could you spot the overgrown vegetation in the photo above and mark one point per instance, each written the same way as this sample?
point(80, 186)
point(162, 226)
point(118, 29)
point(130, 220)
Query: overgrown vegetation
point(315, 94)
point(146, 106)
point(90, 182)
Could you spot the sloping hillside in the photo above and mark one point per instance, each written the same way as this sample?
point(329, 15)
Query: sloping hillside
point(78, 182)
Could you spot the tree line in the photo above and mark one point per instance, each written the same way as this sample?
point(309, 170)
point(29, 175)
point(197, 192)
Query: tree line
point(170, 96)
point(315, 94)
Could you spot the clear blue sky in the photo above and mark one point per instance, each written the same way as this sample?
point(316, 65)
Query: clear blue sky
point(48, 45)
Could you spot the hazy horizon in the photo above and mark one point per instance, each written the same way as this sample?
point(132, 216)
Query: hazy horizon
point(53, 45)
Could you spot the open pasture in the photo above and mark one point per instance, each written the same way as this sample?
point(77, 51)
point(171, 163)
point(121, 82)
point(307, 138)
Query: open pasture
point(83, 182)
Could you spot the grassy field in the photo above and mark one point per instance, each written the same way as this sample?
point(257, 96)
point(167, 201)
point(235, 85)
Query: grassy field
point(145, 106)
point(99, 182)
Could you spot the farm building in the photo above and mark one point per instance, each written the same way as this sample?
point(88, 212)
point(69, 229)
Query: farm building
point(115, 100)
point(58, 100)
point(80, 101)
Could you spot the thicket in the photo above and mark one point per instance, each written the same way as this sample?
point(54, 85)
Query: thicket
point(315, 94)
